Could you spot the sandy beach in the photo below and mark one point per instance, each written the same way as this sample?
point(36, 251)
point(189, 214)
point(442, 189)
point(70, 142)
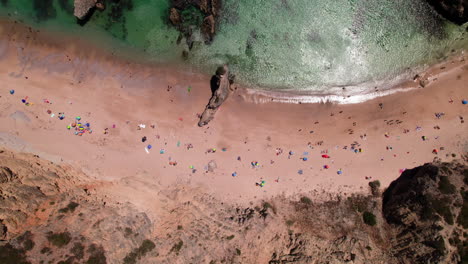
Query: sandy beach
point(283, 145)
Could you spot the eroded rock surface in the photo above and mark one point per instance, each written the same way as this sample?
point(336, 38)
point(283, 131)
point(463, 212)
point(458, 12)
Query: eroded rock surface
point(428, 208)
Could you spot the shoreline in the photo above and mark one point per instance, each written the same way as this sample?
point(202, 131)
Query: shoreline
point(403, 83)
point(108, 91)
point(340, 95)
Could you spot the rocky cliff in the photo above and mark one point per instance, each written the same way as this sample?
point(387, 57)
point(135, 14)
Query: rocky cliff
point(453, 10)
point(428, 209)
point(52, 213)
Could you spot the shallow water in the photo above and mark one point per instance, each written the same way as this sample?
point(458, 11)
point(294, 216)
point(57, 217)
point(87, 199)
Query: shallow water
point(316, 46)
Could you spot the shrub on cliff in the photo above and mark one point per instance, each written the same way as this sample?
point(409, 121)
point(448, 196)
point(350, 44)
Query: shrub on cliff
point(369, 218)
point(374, 186)
point(59, 239)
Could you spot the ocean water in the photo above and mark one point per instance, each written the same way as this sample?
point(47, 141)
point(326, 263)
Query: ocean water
point(296, 46)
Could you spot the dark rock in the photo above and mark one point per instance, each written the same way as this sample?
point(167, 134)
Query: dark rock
point(215, 7)
point(100, 5)
point(208, 28)
point(204, 7)
point(44, 10)
point(10, 255)
point(221, 88)
point(174, 17)
point(455, 11)
point(66, 6)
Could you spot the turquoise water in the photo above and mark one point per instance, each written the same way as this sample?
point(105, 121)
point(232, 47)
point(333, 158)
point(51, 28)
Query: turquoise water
point(288, 45)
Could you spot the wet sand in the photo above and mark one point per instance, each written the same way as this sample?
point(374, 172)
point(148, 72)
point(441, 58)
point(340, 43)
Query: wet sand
point(79, 80)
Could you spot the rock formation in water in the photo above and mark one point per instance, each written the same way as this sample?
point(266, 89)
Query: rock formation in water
point(189, 16)
point(52, 213)
point(453, 10)
point(221, 88)
point(428, 209)
point(84, 7)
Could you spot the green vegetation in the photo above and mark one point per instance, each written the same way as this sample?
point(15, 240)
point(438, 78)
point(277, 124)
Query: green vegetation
point(428, 213)
point(191, 16)
point(437, 244)
point(238, 251)
point(374, 186)
point(78, 250)
point(358, 203)
point(45, 250)
point(26, 240)
point(369, 218)
point(11, 255)
point(140, 252)
point(179, 227)
point(442, 207)
point(445, 186)
point(70, 208)
point(267, 206)
point(59, 239)
point(289, 222)
point(127, 232)
point(177, 247)
point(28, 245)
point(230, 237)
point(306, 200)
point(97, 255)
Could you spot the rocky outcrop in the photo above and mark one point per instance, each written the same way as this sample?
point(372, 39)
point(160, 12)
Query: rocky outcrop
point(428, 208)
point(189, 16)
point(83, 7)
point(47, 214)
point(221, 87)
point(453, 10)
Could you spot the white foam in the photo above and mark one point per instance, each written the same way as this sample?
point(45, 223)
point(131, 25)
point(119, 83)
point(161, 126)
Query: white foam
point(257, 96)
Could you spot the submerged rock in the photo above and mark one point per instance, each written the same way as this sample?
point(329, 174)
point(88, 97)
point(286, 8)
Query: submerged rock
point(221, 87)
point(208, 28)
point(190, 16)
point(453, 10)
point(174, 17)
